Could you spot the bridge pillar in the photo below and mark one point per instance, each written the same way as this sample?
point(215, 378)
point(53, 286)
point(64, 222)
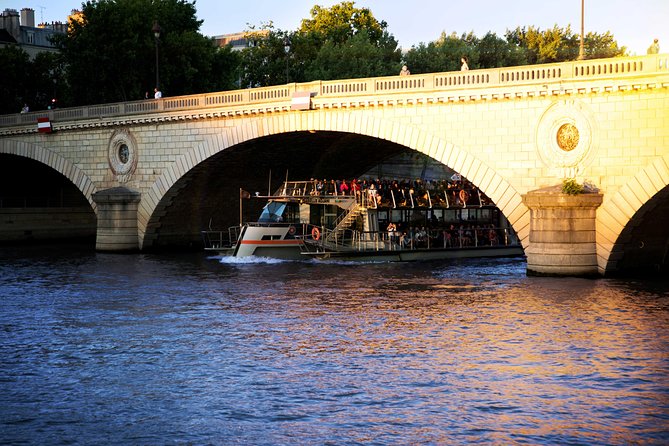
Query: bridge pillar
point(562, 233)
point(117, 220)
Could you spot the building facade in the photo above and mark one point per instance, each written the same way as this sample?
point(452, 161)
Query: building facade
point(19, 29)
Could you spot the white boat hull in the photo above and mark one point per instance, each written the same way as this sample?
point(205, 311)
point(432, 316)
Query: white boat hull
point(268, 241)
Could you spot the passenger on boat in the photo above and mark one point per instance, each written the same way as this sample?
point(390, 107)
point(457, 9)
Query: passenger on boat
point(355, 187)
point(405, 240)
point(392, 232)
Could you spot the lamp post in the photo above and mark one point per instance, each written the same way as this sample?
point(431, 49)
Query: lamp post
point(156, 34)
point(581, 49)
point(286, 48)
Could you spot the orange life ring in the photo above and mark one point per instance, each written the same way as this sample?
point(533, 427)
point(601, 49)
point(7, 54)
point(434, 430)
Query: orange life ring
point(291, 230)
point(463, 196)
point(315, 233)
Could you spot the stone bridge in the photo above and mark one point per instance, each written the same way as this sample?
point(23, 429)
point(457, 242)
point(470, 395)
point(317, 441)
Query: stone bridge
point(149, 174)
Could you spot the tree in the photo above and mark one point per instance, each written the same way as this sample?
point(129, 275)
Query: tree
point(355, 58)
point(346, 42)
point(24, 81)
point(110, 52)
point(560, 45)
point(265, 61)
point(341, 22)
point(12, 81)
point(443, 54)
point(335, 43)
point(599, 46)
point(496, 52)
point(520, 46)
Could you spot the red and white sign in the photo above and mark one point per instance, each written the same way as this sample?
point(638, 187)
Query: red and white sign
point(44, 125)
point(301, 100)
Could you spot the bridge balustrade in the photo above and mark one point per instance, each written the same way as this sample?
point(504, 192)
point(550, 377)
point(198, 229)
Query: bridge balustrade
point(278, 97)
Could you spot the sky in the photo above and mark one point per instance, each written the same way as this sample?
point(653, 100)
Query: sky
point(633, 23)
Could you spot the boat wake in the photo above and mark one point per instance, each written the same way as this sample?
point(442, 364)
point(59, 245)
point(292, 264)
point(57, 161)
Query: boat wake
point(232, 260)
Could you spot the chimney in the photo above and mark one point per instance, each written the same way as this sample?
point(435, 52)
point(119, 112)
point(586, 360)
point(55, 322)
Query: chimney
point(10, 22)
point(28, 17)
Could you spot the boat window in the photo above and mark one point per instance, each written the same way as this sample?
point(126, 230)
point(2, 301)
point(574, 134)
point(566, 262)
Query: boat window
point(292, 213)
point(272, 212)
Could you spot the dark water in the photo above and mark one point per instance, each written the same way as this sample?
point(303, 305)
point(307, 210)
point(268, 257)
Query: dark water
point(154, 350)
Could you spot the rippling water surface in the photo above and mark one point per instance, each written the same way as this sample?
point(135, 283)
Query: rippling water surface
point(140, 349)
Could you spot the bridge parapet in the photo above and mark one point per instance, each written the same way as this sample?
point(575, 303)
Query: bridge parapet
point(457, 86)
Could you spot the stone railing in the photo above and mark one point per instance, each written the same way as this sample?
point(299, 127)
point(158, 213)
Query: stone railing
point(373, 87)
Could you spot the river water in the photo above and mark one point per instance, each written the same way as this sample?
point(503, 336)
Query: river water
point(186, 349)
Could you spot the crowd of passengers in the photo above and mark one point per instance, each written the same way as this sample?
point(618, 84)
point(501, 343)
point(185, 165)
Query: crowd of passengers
point(405, 192)
point(450, 236)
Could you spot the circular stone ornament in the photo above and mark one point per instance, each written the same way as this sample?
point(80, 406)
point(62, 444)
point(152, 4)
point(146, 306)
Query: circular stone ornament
point(122, 154)
point(565, 137)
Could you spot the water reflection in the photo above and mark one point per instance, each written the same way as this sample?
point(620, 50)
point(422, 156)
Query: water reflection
point(144, 349)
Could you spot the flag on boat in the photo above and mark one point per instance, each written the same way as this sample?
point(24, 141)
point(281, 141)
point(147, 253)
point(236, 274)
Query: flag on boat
point(44, 125)
point(244, 194)
point(301, 100)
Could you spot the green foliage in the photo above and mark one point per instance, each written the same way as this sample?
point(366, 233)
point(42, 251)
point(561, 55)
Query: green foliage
point(111, 54)
point(358, 57)
point(335, 43)
point(341, 22)
point(32, 82)
point(443, 54)
point(559, 45)
point(521, 46)
point(571, 187)
point(344, 42)
point(13, 88)
point(265, 61)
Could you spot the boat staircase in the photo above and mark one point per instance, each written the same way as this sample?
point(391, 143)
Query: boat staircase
point(336, 238)
point(339, 237)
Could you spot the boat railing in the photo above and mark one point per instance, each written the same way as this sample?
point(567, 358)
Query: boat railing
point(416, 238)
point(397, 197)
point(216, 239)
point(297, 189)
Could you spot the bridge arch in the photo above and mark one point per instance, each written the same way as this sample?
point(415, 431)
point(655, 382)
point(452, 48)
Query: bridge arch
point(623, 222)
point(494, 185)
point(49, 158)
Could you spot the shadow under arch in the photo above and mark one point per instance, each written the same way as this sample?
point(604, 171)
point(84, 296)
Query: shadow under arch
point(494, 185)
point(631, 226)
point(61, 165)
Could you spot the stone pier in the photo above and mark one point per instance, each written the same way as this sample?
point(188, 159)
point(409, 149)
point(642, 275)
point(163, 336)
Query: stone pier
point(117, 220)
point(562, 233)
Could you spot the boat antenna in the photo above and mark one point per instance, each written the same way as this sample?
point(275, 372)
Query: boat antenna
point(269, 184)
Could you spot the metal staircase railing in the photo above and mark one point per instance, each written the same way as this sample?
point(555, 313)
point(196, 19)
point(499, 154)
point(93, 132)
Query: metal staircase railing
point(335, 236)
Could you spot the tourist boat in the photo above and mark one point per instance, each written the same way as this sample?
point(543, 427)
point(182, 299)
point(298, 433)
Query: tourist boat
point(307, 219)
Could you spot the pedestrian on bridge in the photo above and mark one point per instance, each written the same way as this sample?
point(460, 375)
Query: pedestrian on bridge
point(654, 47)
point(464, 66)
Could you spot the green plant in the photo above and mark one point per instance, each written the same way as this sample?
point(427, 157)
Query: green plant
point(571, 187)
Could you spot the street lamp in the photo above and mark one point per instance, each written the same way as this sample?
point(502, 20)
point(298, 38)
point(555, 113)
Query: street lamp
point(581, 49)
point(286, 48)
point(156, 34)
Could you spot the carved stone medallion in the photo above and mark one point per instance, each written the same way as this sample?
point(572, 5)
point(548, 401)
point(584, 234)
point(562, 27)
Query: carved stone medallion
point(122, 154)
point(565, 137)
